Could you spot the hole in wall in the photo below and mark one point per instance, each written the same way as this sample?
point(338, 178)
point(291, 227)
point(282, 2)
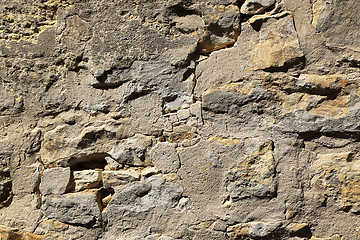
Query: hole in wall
point(92, 161)
point(104, 196)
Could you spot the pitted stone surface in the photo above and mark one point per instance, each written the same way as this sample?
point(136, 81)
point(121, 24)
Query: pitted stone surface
point(55, 181)
point(177, 119)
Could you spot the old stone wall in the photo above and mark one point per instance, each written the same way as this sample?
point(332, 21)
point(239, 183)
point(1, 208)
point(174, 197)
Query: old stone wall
point(179, 119)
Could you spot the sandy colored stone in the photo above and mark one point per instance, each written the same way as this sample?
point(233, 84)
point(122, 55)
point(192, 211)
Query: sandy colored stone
point(254, 176)
point(87, 179)
point(251, 230)
point(15, 234)
point(336, 175)
point(277, 45)
point(120, 177)
point(334, 237)
point(211, 119)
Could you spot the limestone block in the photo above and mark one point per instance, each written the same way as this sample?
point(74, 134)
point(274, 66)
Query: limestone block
point(337, 22)
point(55, 180)
point(79, 208)
point(337, 175)
point(87, 179)
point(112, 179)
point(251, 7)
point(253, 230)
point(25, 179)
point(144, 195)
point(254, 176)
point(165, 157)
point(224, 27)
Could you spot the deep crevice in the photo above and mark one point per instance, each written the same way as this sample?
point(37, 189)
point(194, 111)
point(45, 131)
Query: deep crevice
point(311, 135)
point(92, 161)
point(330, 93)
point(295, 63)
point(181, 10)
point(102, 80)
point(104, 196)
point(304, 232)
point(107, 86)
point(136, 94)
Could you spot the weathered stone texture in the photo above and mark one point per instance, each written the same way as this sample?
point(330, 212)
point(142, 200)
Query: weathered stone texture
point(55, 181)
point(179, 119)
point(78, 209)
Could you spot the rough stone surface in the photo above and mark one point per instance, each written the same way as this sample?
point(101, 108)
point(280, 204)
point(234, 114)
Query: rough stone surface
point(165, 157)
point(252, 230)
point(55, 181)
point(207, 119)
point(8, 234)
point(78, 209)
point(87, 179)
point(112, 179)
point(252, 7)
point(255, 176)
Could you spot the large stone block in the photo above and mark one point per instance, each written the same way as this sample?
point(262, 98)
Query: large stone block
point(56, 180)
point(336, 175)
point(87, 179)
point(255, 176)
point(165, 157)
point(113, 179)
point(142, 196)
point(78, 209)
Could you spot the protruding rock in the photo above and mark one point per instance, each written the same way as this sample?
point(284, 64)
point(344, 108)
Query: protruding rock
point(184, 204)
point(223, 29)
point(15, 234)
point(87, 179)
point(254, 176)
point(112, 179)
point(165, 157)
point(337, 175)
point(56, 180)
point(252, 230)
point(251, 7)
point(77, 209)
point(112, 164)
point(149, 171)
point(299, 230)
point(131, 151)
point(144, 195)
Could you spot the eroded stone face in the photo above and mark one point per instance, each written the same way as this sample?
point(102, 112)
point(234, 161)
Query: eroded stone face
point(251, 230)
point(252, 7)
point(176, 119)
point(30, 20)
point(337, 175)
point(165, 157)
point(254, 176)
point(79, 209)
point(276, 46)
point(336, 21)
point(142, 196)
point(56, 181)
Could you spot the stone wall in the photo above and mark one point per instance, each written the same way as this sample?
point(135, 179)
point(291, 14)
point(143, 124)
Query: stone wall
point(179, 119)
